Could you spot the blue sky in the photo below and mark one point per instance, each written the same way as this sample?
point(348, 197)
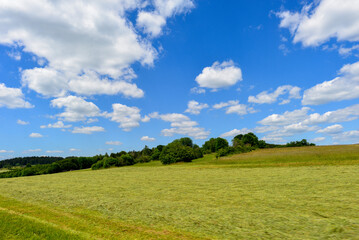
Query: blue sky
point(89, 77)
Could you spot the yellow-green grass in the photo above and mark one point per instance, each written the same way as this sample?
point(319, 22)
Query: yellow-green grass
point(3, 170)
point(300, 193)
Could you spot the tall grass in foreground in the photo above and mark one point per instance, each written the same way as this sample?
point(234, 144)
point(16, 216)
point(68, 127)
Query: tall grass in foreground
point(248, 196)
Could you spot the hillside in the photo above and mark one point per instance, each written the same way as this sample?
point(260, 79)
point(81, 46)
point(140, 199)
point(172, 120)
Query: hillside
point(289, 193)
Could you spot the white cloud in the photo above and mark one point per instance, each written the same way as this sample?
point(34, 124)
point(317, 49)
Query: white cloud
point(348, 137)
point(235, 132)
point(128, 117)
point(318, 139)
point(234, 107)
point(196, 107)
point(225, 104)
point(181, 124)
point(344, 87)
point(219, 75)
point(287, 118)
point(75, 38)
point(344, 51)
point(58, 124)
point(21, 122)
point(116, 143)
point(240, 109)
point(318, 23)
point(15, 55)
point(6, 151)
point(341, 115)
point(54, 151)
point(153, 22)
point(12, 98)
point(35, 135)
point(265, 97)
point(88, 130)
point(334, 129)
point(197, 90)
point(76, 108)
point(148, 139)
point(74, 150)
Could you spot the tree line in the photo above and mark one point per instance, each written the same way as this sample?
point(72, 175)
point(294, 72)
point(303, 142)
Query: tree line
point(179, 150)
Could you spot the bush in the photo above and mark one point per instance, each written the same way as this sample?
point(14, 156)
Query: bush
point(177, 152)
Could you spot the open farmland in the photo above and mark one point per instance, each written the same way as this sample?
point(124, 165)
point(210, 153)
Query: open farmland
point(289, 193)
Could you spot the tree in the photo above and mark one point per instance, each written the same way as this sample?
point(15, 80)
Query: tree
point(214, 144)
point(178, 151)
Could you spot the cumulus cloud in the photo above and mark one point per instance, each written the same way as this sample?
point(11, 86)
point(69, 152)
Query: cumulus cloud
point(94, 43)
point(318, 23)
point(128, 117)
point(195, 107)
point(76, 108)
point(235, 132)
point(198, 90)
point(233, 107)
point(219, 75)
point(225, 104)
point(333, 129)
point(318, 139)
point(148, 139)
point(265, 97)
point(153, 22)
point(88, 130)
point(74, 150)
point(286, 118)
point(12, 98)
point(33, 150)
point(58, 124)
point(181, 124)
point(116, 143)
point(348, 137)
point(35, 135)
point(344, 87)
point(21, 122)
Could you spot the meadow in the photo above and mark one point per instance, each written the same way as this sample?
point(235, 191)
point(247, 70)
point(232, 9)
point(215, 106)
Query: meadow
point(289, 193)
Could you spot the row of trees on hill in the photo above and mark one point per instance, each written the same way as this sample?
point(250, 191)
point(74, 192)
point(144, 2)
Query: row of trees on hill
point(23, 161)
point(180, 150)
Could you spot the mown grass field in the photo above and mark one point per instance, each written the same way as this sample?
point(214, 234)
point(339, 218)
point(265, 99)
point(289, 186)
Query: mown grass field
point(289, 193)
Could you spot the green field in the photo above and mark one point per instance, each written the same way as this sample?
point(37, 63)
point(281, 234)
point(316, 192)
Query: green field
point(288, 193)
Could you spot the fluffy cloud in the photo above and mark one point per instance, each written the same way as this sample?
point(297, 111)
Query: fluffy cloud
point(341, 115)
point(128, 117)
point(235, 132)
point(344, 87)
point(58, 124)
point(181, 124)
point(148, 139)
point(153, 22)
point(21, 122)
point(196, 107)
point(234, 107)
point(318, 139)
point(286, 118)
point(349, 136)
point(265, 97)
point(12, 98)
point(317, 23)
point(334, 129)
point(225, 104)
point(76, 108)
point(219, 75)
point(88, 130)
point(92, 38)
point(35, 135)
point(116, 143)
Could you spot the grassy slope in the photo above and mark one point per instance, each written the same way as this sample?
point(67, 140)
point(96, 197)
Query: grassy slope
point(296, 193)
